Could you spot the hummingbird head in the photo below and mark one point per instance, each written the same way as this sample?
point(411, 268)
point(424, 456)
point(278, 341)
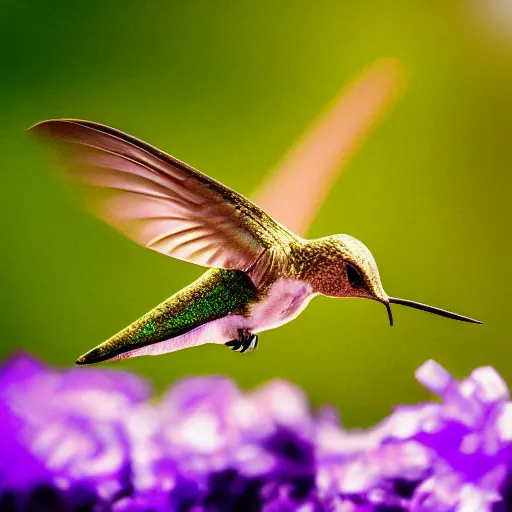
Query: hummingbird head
point(344, 267)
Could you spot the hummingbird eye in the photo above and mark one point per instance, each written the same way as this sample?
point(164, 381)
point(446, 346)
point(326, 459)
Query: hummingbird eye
point(354, 277)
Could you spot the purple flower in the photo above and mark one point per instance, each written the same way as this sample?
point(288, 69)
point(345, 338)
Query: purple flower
point(94, 440)
point(65, 430)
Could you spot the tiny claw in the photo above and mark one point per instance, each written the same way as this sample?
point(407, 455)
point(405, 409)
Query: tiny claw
point(233, 344)
point(251, 345)
point(246, 341)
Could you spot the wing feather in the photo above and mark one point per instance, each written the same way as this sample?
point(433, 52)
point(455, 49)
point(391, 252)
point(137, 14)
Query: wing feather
point(163, 203)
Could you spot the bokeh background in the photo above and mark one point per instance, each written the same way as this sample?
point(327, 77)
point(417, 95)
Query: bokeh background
point(228, 87)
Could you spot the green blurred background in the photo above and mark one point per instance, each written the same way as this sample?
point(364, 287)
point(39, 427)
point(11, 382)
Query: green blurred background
point(228, 87)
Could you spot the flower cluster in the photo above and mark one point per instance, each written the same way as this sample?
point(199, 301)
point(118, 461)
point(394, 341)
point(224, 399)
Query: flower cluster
point(93, 439)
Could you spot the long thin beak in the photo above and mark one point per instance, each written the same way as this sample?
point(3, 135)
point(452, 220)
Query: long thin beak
point(390, 313)
point(430, 309)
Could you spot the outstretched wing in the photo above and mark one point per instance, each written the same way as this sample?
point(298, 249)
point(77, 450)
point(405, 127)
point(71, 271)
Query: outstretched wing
point(164, 204)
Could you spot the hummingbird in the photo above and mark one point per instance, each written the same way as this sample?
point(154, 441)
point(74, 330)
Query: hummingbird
point(260, 275)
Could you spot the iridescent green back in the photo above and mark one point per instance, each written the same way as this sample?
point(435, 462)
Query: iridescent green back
point(217, 293)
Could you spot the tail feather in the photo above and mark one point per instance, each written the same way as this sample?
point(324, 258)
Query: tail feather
point(150, 329)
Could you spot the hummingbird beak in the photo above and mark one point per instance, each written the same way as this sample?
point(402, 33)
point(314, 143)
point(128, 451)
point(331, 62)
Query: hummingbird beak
point(429, 309)
point(390, 313)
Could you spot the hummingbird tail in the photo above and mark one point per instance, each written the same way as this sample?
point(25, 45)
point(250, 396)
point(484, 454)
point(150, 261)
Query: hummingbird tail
point(143, 332)
point(110, 350)
point(93, 356)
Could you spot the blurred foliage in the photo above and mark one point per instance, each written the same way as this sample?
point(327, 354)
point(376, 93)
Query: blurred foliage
point(228, 87)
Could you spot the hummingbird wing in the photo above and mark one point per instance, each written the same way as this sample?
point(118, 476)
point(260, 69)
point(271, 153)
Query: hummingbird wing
point(164, 204)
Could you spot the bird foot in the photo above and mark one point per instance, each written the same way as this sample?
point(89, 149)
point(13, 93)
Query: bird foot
point(246, 341)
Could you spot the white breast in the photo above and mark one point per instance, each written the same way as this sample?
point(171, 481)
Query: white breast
point(284, 301)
